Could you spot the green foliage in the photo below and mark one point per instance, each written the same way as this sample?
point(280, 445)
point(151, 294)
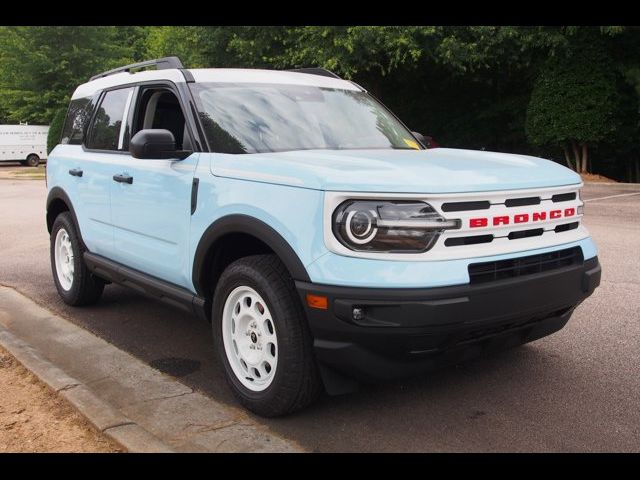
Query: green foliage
point(55, 129)
point(347, 50)
point(576, 97)
point(352, 50)
point(41, 66)
point(498, 48)
point(524, 89)
point(196, 46)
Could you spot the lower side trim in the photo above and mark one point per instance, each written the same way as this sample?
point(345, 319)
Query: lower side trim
point(164, 291)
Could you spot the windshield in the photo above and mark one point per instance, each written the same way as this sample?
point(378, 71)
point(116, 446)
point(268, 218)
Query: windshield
point(257, 118)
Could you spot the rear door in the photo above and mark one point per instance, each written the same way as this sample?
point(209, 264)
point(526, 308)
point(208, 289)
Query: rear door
point(151, 203)
point(92, 170)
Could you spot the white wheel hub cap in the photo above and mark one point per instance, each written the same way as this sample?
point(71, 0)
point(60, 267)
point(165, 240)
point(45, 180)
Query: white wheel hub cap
point(63, 252)
point(249, 337)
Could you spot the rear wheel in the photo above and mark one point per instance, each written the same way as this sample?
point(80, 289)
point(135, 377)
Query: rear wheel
point(32, 160)
point(262, 337)
point(74, 282)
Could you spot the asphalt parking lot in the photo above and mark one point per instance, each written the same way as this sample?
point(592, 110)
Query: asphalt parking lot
point(577, 390)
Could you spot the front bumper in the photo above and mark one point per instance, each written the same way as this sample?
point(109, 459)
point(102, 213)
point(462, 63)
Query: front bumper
point(407, 331)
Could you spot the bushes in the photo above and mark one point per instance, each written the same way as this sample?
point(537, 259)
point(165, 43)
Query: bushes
point(528, 89)
point(55, 129)
point(577, 102)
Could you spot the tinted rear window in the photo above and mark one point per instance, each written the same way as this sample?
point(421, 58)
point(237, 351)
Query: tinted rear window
point(77, 119)
point(105, 131)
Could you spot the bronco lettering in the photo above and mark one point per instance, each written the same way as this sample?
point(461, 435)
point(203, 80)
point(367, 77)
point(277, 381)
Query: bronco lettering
point(520, 218)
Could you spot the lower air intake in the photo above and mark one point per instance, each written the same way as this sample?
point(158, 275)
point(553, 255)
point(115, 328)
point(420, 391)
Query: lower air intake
point(518, 267)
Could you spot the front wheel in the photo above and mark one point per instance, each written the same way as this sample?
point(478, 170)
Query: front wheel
point(262, 338)
point(74, 282)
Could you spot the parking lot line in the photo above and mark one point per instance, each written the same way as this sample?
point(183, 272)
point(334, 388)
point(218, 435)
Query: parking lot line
point(612, 196)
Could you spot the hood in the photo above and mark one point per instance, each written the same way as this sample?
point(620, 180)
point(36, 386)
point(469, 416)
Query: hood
point(439, 170)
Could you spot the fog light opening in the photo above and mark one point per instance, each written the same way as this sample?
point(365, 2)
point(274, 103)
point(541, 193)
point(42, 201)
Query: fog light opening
point(357, 313)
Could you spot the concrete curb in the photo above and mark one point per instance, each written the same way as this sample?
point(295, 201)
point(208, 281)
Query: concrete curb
point(104, 417)
point(138, 406)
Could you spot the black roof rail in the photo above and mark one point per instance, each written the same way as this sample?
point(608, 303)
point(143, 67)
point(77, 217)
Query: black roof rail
point(315, 71)
point(160, 64)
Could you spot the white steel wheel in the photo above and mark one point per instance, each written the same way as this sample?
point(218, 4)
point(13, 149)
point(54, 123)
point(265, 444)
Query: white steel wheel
point(249, 338)
point(64, 259)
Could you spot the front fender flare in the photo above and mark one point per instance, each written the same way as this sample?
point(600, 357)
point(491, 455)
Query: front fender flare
point(250, 226)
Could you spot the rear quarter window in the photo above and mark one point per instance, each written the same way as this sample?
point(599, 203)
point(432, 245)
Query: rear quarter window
point(77, 119)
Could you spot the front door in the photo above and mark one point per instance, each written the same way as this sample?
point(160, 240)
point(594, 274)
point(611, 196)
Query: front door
point(151, 198)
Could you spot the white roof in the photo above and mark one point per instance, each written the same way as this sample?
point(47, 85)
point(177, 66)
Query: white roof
point(218, 75)
point(123, 78)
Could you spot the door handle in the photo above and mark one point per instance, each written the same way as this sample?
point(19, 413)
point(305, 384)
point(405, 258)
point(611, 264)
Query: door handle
point(123, 178)
point(76, 172)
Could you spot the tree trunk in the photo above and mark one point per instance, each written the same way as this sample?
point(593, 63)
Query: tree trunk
point(576, 156)
point(585, 157)
point(567, 158)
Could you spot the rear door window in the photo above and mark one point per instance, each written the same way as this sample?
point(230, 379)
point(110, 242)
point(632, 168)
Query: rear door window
point(109, 128)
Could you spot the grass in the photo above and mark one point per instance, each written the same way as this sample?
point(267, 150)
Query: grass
point(25, 173)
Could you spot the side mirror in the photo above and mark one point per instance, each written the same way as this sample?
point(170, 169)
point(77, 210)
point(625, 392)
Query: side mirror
point(421, 138)
point(155, 143)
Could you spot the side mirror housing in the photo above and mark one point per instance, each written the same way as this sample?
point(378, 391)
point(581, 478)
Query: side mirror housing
point(155, 143)
point(421, 138)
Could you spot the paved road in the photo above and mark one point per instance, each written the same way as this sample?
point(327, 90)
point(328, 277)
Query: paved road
point(578, 390)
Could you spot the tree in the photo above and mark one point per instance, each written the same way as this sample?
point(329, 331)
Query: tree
point(470, 87)
point(199, 47)
point(55, 129)
point(41, 66)
point(576, 101)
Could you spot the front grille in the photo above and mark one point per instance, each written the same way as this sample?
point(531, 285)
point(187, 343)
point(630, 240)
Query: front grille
point(563, 197)
point(567, 226)
point(470, 240)
point(465, 206)
point(521, 202)
point(518, 267)
point(532, 232)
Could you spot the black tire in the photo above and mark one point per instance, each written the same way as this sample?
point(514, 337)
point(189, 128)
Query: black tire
point(85, 289)
point(297, 382)
point(32, 160)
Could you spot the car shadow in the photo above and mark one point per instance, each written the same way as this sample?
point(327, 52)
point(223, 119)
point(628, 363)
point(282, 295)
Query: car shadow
point(428, 407)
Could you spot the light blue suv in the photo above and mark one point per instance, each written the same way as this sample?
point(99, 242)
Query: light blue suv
point(325, 244)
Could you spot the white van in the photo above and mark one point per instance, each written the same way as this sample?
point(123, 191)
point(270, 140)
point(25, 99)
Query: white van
point(26, 144)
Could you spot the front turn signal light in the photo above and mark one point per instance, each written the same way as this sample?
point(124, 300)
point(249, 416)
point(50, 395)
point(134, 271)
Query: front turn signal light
point(317, 301)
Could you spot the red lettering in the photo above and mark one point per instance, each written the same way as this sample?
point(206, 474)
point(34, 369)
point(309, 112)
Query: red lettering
point(478, 222)
point(521, 218)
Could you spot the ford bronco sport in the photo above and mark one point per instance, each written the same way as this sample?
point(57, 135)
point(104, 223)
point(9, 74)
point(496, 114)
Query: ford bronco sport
point(325, 244)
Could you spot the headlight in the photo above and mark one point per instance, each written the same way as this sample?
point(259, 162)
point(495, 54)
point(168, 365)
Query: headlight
point(389, 226)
